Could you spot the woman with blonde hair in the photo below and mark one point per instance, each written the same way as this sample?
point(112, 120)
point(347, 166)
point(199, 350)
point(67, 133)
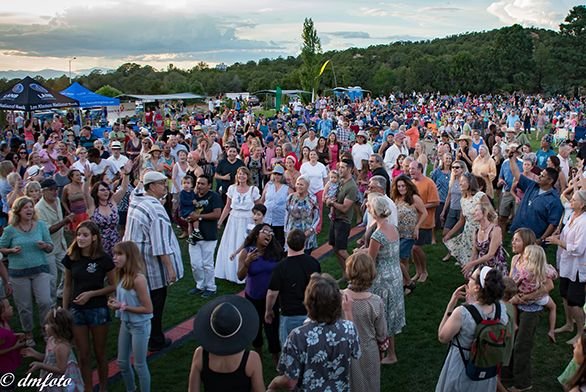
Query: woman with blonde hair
point(487, 248)
point(26, 241)
point(302, 213)
point(33, 190)
point(241, 197)
point(15, 181)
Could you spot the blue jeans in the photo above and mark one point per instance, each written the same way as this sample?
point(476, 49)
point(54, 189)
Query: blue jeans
point(134, 338)
point(288, 324)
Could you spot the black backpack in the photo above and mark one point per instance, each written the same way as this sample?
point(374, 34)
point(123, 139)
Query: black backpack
point(488, 347)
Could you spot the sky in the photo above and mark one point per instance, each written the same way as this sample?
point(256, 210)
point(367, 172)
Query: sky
point(41, 34)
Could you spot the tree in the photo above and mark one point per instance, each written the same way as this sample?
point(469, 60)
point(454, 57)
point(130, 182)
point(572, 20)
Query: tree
point(108, 91)
point(575, 25)
point(310, 56)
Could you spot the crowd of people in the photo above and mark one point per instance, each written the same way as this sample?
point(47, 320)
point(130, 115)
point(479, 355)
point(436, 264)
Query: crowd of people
point(93, 225)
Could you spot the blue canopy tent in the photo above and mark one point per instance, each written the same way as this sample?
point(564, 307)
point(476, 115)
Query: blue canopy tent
point(353, 93)
point(87, 98)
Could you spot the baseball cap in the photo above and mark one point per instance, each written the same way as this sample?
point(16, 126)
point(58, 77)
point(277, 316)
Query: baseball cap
point(153, 176)
point(48, 183)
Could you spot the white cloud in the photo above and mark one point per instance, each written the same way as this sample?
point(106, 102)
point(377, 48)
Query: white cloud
point(541, 13)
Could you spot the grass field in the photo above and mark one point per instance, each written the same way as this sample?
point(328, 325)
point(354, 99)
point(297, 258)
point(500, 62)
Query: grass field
point(420, 354)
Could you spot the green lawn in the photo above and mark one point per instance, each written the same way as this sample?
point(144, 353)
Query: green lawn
point(420, 354)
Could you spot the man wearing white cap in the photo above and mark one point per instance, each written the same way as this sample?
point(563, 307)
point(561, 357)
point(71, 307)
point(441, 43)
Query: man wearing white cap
point(117, 158)
point(149, 226)
point(361, 150)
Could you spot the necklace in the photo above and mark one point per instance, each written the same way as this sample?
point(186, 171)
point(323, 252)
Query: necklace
point(26, 230)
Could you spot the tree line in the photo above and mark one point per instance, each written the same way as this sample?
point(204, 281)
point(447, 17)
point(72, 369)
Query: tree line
point(503, 60)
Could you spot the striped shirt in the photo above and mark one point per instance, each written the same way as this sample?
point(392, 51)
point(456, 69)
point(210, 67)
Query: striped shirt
point(149, 227)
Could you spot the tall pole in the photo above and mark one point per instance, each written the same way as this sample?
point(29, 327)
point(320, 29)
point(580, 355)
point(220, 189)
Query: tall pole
point(70, 60)
point(334, 72)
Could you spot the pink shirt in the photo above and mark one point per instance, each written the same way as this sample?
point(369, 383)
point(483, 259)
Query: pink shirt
point(10, 361)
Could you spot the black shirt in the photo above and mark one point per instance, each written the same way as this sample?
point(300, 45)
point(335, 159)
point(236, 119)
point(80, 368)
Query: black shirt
point(290, 278)
point(87, 275)
point(225, 167)
point(208, 203)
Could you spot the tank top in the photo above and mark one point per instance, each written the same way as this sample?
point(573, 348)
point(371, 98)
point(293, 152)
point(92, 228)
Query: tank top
point(408, 217)
point(77, 203)
point(133, 150)
point(234, 382)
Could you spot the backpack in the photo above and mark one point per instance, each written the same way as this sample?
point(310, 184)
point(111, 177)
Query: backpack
point(488, 347)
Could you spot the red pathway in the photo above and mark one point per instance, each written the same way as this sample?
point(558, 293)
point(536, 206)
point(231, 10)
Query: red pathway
point(182, 331)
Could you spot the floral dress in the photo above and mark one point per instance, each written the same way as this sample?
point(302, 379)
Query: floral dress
point(388, 283)
point(108, 225)
point(498, 261)
point(303, 214)
point(460, 246)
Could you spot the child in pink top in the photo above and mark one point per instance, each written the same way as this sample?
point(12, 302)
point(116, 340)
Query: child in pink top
point(10, 342)
point(531, 271)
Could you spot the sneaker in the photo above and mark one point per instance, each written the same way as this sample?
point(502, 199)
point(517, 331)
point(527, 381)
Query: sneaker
point(197, 235)
point(190, 241)
point(196, 291)
point(208, 294)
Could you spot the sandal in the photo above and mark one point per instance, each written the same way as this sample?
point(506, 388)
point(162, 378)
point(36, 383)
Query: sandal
point(409, 288)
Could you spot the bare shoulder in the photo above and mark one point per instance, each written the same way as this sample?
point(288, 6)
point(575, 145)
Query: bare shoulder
point(253, 364)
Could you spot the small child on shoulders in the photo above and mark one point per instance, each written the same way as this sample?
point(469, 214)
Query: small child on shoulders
point(258, 215)
point(188, 205)
point(532, 271)
point(331, 190)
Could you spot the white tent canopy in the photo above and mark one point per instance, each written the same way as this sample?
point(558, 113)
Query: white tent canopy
point(161, 97)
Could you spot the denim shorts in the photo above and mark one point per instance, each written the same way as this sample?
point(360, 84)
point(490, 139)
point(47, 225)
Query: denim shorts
point(91, 317)
point(405, 248)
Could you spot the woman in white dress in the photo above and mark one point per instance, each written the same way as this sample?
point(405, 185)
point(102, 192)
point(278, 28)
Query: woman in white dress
point(317, 174)
point(241, 197)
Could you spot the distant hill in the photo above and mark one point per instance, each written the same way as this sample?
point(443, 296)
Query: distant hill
point(48, 73)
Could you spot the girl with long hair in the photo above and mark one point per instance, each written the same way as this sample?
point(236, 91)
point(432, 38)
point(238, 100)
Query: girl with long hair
point(85, 293)
point(134, 308)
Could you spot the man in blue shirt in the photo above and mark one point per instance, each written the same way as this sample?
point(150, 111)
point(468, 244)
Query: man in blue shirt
point(545, 151)
point(541, 208)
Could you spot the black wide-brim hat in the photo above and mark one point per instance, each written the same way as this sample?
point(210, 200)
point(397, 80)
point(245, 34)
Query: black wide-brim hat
point(226, 325)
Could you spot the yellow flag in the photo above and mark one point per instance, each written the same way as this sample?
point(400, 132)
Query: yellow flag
point(323, 67)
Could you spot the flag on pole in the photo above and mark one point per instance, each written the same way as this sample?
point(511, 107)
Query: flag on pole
point(323, 67)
